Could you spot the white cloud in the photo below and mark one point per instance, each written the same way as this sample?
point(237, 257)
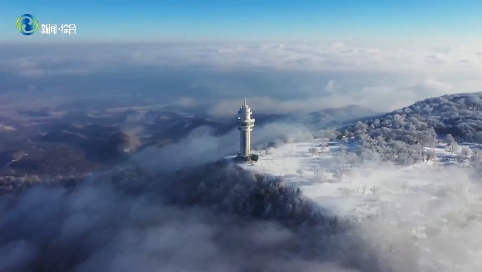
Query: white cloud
point(330, 87)
point(382, 78)
point(276, 106)
point(186, 101)
point(333, 57)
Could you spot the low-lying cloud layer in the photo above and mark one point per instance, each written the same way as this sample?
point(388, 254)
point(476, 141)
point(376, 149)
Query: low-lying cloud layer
point(202, 146)
point(289, 77)
point(222, 218)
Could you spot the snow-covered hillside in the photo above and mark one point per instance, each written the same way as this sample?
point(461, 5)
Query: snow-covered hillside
point(457, 114)
point(435, 203)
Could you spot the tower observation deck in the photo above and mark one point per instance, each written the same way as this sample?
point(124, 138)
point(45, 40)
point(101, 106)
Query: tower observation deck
point(245, 126)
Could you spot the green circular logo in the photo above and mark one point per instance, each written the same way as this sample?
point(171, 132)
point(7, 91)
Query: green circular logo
point(27, 24)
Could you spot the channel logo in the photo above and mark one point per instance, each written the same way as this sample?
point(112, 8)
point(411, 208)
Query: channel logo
point(27, 24)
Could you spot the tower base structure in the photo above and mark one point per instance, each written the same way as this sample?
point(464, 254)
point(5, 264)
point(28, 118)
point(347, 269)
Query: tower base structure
point(249, 158)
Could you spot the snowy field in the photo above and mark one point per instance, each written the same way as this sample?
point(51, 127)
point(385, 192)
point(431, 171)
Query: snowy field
point(435, 204)
point(356, 191)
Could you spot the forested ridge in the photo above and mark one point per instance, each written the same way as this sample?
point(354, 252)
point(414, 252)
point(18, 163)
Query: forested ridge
point(409, 134)
point(459, 115)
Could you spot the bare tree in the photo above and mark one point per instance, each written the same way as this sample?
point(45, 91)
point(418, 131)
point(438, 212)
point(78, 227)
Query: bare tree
point(374, 189)
point(338, 175)
point(346, 192)
point(430, 155)
point(322, 147)
point(300, 172)
point(313, 151)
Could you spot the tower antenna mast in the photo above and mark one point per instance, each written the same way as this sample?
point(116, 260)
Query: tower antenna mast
point(245, 126)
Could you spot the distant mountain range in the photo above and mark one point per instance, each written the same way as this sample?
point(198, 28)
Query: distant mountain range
point(98, 143)
point(95, 104)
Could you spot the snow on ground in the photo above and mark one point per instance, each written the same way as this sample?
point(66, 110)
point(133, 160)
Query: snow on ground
point(434, 199)
point(360, 191)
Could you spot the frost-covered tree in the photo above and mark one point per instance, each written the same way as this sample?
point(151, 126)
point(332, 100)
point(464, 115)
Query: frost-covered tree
point(449, 139)
point(320, 176)
point(344, 140)
point(360, 128)
point(477, 156)
point(459, 115)
point(453, 147)
point(300, 172)
point(398, 121)
point(428, 138)
point(341, 163)
point(465, 153)
point(476, 159)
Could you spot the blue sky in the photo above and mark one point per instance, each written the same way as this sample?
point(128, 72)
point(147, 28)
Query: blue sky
point(250, 21)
